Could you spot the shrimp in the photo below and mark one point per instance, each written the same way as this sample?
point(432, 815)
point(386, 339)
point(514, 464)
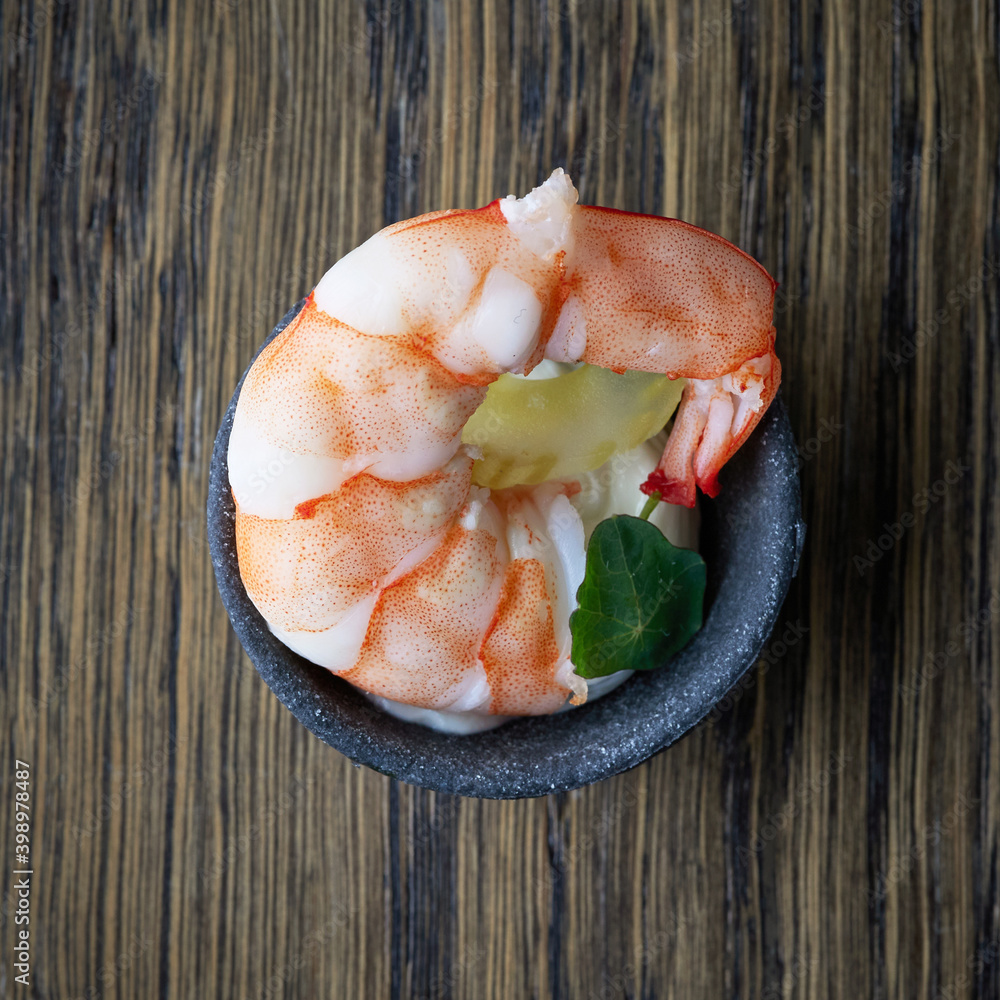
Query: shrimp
point(361, 537)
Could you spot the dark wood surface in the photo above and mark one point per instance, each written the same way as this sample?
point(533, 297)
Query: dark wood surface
point(174, 176)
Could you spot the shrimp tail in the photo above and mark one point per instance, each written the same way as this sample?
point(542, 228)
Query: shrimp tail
point(714, 418)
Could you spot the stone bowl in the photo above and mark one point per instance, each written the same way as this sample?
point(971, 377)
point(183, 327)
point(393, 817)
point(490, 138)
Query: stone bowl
point(751, 540)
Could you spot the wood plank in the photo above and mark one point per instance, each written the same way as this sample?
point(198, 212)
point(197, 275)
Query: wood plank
point(174, 177)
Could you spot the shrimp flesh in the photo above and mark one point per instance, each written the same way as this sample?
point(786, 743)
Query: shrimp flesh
point(360, 535)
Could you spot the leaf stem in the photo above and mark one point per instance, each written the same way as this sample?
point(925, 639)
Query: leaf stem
point(654, 499)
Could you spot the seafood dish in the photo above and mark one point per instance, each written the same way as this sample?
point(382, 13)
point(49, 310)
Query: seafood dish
point(452, 481)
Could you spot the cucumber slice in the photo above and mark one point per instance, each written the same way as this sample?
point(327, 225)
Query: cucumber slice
point(532, 430)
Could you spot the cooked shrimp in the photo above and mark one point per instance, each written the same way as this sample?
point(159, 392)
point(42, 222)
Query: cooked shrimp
point(361, 537)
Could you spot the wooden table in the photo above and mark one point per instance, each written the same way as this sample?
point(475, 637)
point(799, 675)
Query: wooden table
point(174, 177)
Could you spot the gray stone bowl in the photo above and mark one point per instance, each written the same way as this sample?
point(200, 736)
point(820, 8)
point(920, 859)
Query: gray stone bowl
point(751, 539)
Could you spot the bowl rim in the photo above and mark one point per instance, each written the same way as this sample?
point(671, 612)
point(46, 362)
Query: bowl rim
point(752, 537)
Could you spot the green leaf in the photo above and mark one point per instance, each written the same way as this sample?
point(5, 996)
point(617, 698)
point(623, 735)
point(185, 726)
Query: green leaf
point(640, 601)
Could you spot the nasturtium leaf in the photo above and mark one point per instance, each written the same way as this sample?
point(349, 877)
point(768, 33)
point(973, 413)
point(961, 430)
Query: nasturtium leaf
point(640, 600)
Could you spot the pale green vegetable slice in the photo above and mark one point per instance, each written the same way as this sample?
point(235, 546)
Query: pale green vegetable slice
point(534, 430)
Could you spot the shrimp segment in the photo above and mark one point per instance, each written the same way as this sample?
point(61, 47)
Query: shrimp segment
point(360, 536)
point(329, 401)
point(307, 571)
point(425, 636)
point(659, 295)
point(520, 647)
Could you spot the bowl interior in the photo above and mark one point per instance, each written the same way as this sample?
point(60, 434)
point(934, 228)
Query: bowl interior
point(751, 538)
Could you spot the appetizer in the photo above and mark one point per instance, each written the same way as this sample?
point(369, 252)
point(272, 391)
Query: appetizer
point(451, 481)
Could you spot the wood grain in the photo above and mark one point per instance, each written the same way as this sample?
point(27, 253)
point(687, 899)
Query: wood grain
point(175, 175)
